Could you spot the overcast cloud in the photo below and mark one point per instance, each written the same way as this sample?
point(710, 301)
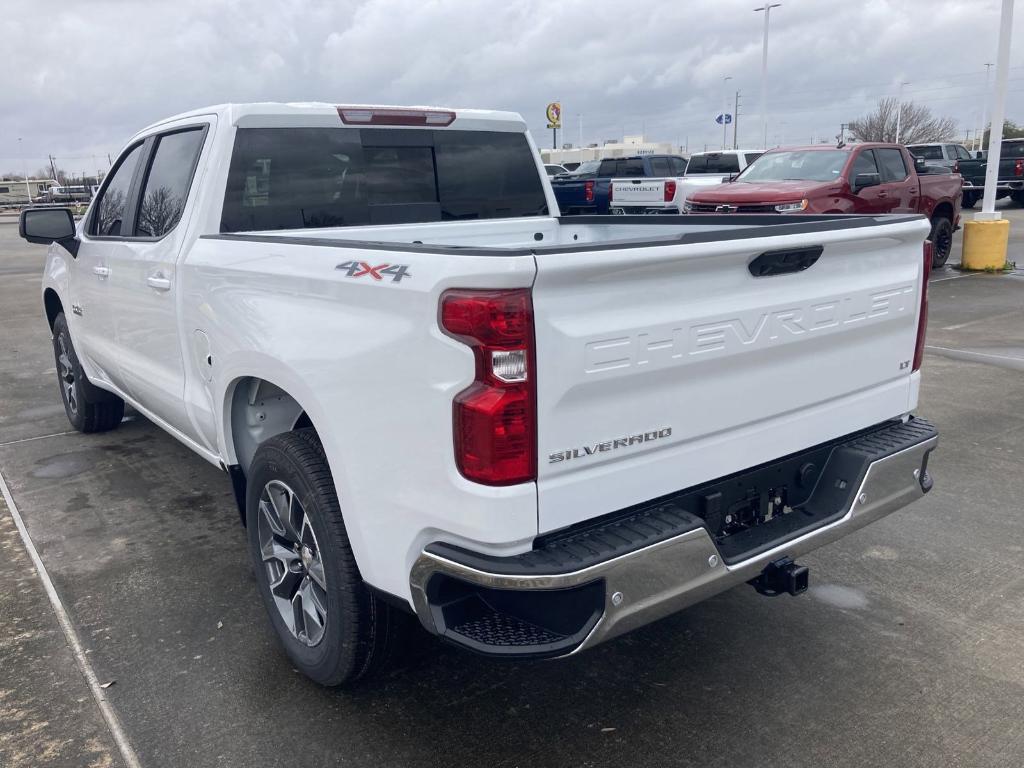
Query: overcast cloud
point(80, 77)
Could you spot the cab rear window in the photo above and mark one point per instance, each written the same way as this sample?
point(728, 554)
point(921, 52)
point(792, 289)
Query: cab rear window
point(713, 163)
point(299, 178)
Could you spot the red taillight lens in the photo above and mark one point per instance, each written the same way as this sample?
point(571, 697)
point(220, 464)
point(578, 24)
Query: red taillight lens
point(1018, 168)
point(922, 320)
point(670, 191)
point(588, 191)
point(494, 419)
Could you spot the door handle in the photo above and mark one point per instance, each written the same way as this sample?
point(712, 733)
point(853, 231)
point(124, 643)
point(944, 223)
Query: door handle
point(159, 282)
point(101, 271)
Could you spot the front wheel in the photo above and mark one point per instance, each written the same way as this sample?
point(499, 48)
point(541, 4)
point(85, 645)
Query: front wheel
point(942, 240)
point(88, 408)
point(331, 627)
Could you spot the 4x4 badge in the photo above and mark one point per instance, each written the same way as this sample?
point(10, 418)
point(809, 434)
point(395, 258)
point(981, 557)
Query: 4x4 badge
point(362, 269)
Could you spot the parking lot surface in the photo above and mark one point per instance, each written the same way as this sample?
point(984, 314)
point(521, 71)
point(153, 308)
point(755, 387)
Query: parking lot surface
point(907, 650)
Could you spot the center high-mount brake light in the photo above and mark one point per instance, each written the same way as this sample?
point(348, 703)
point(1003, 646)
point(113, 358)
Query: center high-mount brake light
point(436, 118)
point(670, 191)
point(922, 320)
point(494, 418)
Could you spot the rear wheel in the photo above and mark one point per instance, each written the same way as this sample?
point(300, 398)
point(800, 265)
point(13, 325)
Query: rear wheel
point(942, 240)
point(1017, 197)
point(333, 629)
point(88, 408)
point(970, 199)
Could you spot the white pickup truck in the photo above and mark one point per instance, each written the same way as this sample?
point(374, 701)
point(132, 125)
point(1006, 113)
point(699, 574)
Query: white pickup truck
point(668, 194)
point(434, 396)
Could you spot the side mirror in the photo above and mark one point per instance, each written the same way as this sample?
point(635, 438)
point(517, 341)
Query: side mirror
point(862, 180)
point(49, 225)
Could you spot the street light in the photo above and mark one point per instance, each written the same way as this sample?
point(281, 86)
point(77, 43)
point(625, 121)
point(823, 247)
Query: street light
point(767, 8)
point(725, 104)
point(899, 112)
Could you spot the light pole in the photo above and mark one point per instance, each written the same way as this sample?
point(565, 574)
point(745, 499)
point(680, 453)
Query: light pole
point(28, 189)
point(899, 112)
point(984, 107)
point(725, 104)
point(767, 8)
point(995, 135)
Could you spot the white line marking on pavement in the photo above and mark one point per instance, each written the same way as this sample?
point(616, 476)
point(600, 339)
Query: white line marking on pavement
point(131, 760)
point(975, 354)
point(38, 437)
point(954, 277)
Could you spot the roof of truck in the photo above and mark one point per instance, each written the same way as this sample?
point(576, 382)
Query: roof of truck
point(283, 114)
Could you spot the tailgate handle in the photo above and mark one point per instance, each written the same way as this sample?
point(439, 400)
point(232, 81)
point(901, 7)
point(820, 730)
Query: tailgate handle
point(784, 262)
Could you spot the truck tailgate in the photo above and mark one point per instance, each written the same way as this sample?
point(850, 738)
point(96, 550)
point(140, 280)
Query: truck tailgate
point(626, 191)
point(664, 366)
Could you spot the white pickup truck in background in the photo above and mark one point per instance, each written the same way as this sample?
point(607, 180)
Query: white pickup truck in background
point(435, 396)
point(667, 195)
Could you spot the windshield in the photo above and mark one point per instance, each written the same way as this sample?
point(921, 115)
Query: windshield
point(799, 165)
point(589, 166)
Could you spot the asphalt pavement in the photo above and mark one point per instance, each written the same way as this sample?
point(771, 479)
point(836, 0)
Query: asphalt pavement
point(908, 650)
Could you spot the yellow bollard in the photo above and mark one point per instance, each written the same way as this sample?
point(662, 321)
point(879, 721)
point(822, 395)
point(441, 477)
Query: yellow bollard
point(985, 244)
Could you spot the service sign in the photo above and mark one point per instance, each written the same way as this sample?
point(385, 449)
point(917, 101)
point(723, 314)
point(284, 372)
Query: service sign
point(554, 113)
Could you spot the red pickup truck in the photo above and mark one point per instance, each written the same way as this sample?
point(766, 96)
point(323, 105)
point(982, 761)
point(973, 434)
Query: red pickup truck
point(858, 178)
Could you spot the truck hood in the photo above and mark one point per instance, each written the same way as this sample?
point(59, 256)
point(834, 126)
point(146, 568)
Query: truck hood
point(762, 192)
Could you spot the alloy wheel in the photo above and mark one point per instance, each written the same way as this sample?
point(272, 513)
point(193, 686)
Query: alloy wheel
point(67, 375)
point(292, 562)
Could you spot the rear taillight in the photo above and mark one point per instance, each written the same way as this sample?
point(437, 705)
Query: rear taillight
point(1018, 168)
point(588, 191)
point(922, 318)
point(670, 191)
point(494, 418)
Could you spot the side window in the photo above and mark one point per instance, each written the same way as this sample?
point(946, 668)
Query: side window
point(892, 166)
point(751, 157)
point(863, 163)
point(607, 168)
point(678, 166)
point(167, 183)
point(962, 153)
point(110, 208)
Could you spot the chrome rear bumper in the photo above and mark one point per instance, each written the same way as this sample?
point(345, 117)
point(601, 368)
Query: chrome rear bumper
point(654, 581)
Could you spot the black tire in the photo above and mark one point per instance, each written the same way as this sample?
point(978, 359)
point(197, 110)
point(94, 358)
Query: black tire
point(1017, 197)
point(969, 201)
point(89, 408)
point(942, 240)
point(359, 632)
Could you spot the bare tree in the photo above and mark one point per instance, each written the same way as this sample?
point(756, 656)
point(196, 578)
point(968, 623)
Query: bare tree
point(917, 124)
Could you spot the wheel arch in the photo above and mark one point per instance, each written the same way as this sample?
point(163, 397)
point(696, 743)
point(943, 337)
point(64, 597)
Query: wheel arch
point(256, 409)
point(52, 305)
point(943, 210)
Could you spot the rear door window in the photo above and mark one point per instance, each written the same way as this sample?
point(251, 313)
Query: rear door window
point(678, 166)
point(167, 183)
point(296, 178)
point(891, 163)
point(927, 153)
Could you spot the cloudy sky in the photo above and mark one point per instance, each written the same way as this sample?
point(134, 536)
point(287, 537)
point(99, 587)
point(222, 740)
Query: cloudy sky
point(80, 77)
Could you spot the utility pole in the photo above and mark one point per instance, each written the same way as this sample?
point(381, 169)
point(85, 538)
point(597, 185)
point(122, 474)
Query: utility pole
point(899, 112)
point(842, 133)
point(725, 107)
point(53, 169)
point(24, 170)
point(735, 120)
point(984, 106)
point(767, 8)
